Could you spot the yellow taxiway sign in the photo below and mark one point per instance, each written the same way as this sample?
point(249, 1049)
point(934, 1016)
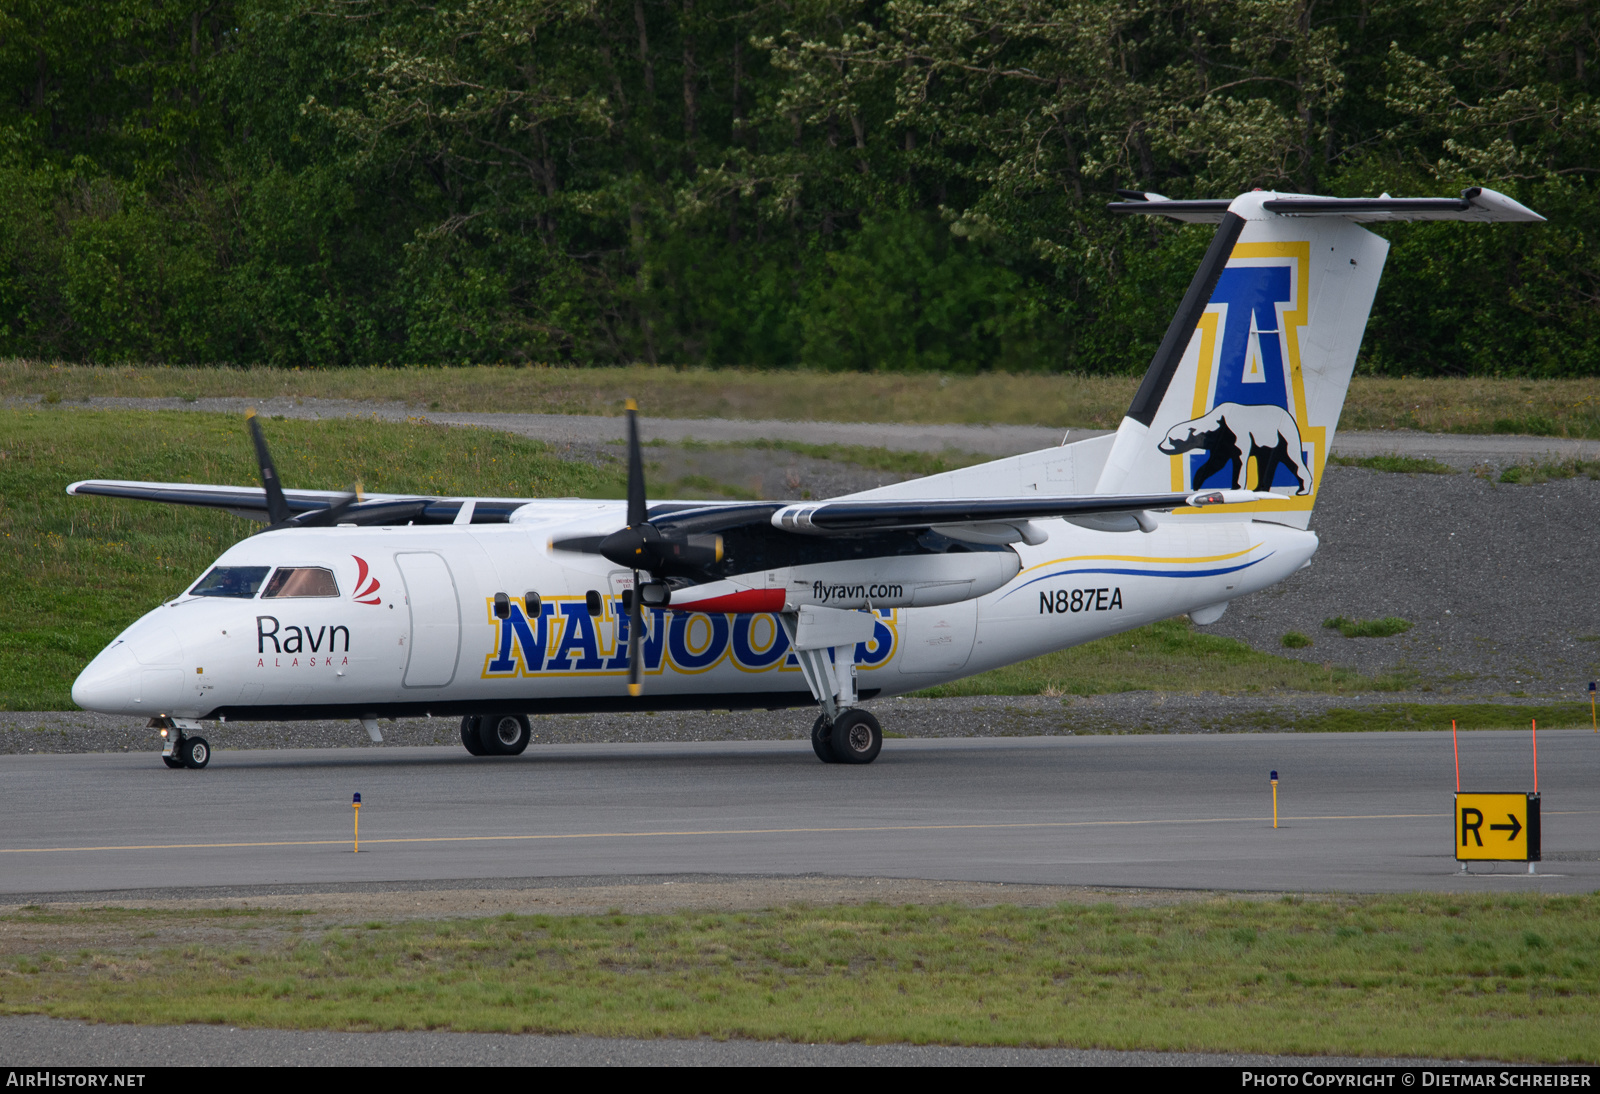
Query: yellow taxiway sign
point(1503, 827)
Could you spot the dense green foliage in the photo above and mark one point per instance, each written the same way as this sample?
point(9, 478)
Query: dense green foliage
point(850, 184)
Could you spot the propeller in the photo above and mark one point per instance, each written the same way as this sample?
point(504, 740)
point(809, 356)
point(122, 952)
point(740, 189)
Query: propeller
point(643, 548)
point(326, 518)
point(277, 505)
point(278, 513)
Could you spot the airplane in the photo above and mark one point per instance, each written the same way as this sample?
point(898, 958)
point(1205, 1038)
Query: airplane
point(491, 609)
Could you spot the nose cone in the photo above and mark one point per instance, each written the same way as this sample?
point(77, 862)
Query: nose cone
point(140, 673)
point(110, 683)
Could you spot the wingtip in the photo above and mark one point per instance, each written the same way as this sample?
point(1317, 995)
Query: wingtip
point(635, 690)
point(631, 405)
point(250, 412)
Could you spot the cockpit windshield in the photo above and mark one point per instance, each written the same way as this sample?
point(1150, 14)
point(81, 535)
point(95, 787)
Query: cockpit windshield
point(241, 582)
point(301, 581)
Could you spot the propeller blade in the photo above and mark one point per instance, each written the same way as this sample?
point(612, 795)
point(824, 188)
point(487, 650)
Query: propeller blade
point(637, 510)
point(277, 506)
point(326, 518)
point(635, 632)
point(639, 545)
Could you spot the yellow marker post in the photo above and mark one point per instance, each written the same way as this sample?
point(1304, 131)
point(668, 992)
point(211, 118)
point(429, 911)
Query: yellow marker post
point(1592, 719)
point(1274, 799)
point(357, 804)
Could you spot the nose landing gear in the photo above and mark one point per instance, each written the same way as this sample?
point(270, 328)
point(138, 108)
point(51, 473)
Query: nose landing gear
point(177, 748)
point(196, 752)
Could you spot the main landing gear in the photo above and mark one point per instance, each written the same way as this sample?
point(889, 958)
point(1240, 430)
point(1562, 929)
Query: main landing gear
point(496, 734)
point(824, 641)
point(854, 737)
point(177, 748)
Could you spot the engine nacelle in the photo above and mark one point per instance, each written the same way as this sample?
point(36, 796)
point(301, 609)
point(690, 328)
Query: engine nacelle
point(913, 581)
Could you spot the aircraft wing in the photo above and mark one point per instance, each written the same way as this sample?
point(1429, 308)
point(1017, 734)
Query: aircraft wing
point(983, 519)
point(871, 515)
point(251, 501)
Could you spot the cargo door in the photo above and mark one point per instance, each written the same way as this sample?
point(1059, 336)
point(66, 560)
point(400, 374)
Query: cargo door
point(435, 643)
point(939, 639)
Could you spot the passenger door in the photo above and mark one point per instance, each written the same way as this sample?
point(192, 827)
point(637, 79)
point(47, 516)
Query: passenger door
point(435, 644)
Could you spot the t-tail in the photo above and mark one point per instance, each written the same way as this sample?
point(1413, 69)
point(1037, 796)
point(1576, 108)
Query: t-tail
point(1246, 388)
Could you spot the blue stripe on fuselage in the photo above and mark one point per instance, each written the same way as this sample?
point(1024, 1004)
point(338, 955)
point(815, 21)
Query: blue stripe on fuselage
point(1140, 573)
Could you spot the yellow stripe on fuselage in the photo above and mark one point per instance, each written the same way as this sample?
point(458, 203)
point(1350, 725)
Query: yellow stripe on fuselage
point(1137, 558)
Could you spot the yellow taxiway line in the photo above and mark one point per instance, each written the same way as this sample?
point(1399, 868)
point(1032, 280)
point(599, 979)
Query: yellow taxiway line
point(746, 832)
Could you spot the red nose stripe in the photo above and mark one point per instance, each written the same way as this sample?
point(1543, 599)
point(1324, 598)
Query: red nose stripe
point(751, 600)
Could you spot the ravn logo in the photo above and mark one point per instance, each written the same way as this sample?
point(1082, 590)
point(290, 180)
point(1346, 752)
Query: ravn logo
point(366, 586)
point(1252, 415)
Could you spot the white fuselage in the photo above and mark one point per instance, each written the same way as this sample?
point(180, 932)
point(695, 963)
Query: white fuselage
point(419, 635)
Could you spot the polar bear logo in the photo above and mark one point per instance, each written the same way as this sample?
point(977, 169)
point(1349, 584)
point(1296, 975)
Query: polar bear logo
point(1233, 433)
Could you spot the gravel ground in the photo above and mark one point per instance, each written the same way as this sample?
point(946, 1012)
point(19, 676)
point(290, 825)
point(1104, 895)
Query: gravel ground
point(979, 716)
point(1496, 579)
point(581, 429)
point(1461, 450)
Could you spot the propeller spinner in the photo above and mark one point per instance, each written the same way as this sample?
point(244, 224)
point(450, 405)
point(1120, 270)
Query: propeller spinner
point(642, 547)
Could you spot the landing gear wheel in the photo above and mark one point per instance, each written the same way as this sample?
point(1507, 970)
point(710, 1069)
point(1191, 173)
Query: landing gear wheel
point(172, 761)
point(469, 734)
point(196, 752)
point(856, 738)
point(505, 734)
point(822, 740)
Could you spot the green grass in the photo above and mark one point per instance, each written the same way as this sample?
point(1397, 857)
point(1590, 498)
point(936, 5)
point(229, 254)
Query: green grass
point(1400, 717)
point(75, 571)
point(1407, 465)
point(1498, 977)
point(1172, 655)
point(1546, 472)
point(1538, 425)
point(1387, 627)
point(1568, 408)
point(872, 458)
point(704, 486)
point(1294, 640)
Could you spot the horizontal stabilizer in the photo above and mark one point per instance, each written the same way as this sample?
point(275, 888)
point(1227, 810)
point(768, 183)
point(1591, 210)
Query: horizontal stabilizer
point(1475, 204)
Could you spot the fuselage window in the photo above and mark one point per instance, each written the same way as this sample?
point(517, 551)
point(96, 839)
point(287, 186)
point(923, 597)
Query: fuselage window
point(235, 581)
point(301, 581)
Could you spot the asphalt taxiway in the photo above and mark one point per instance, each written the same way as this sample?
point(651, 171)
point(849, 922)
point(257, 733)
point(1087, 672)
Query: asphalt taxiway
point(1358, 812)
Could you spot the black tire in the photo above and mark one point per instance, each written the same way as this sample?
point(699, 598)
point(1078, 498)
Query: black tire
point(856, 738)
point(172, 761)
point(196, 752)
point(822, 740)
point(469, 734)
point(505, 734)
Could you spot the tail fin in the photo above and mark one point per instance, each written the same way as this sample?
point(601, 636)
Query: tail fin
point(1246, 387)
